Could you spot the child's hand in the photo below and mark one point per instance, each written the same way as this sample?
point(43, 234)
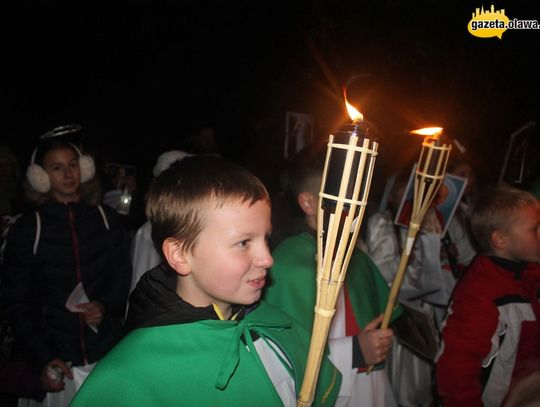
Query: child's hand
point(92, 312)
point(52, 375)
point(375, 343)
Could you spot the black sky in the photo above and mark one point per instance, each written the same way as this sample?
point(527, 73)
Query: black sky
point(140, 75)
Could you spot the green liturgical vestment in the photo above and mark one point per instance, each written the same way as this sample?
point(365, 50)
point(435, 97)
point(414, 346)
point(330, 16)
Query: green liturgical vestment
point(293, 282)
point(292, 288)
point(204, 363)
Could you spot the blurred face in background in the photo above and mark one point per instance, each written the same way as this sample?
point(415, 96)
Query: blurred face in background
point(207, 138)
point(464, 170)
point(62, 166)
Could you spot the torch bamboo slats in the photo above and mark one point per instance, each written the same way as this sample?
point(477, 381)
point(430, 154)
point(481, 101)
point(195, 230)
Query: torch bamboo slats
point(335, 246)
point(429, 176)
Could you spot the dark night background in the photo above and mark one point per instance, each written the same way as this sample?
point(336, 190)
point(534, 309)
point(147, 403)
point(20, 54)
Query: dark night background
point(141, 75)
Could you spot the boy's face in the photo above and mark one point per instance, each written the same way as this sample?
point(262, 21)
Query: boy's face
point(522, 238)
point(229, 262)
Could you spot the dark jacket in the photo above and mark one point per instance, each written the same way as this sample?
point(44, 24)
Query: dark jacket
point(17, 379)
point(154, 302)
point(76, 243)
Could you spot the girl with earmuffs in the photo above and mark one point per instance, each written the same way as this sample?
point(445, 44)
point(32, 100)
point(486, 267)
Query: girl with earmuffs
point(67, 269)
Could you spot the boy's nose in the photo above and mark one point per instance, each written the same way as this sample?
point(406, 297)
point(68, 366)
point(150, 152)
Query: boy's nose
point(265, 259)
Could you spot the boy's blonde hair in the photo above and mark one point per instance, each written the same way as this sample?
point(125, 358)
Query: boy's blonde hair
point(180, 196)
point(493, 210)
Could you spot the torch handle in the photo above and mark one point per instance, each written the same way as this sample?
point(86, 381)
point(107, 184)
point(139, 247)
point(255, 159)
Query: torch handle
point(398, 279)
point(321, 326)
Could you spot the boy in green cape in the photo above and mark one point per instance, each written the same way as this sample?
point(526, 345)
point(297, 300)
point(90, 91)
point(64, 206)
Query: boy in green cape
point(354, 340)
point(198, 334)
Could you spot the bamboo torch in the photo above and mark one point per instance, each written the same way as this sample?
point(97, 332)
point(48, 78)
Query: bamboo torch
point(346, 180)
point(429, 176)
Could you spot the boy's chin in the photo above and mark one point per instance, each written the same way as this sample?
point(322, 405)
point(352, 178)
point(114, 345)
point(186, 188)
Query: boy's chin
point(249, 301)
point(530, 258)
point(525, 259)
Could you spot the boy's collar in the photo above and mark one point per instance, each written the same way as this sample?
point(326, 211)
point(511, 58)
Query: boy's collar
point(155, 303)
point(516, 267)
point(237, 312)
point(212, 311)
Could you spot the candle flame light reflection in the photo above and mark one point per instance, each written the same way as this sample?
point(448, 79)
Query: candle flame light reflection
point(432, 132)
point(344, 143)
point(433, 142)
point(354, 114)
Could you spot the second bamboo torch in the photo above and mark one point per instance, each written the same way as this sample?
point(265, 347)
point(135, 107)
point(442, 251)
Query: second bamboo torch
point(428, 178)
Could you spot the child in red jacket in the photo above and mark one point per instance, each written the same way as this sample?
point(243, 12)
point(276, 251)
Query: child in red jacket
point(491, 337)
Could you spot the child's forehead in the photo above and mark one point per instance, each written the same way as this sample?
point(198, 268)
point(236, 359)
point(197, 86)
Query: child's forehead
point(59, 154)
point(522, 213)
point(527, 210)
point(214, 204)
point(235, 213)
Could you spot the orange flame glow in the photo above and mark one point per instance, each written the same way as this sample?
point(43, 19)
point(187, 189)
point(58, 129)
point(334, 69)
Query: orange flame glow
point(353, 113)
point(433, 132)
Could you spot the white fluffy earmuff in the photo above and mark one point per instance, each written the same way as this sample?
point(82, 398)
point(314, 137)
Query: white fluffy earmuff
point(88, 168)
point(39, 179)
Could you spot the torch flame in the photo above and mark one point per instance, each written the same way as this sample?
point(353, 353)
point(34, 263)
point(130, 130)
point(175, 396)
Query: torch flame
point(353, 113)
point(433, 132)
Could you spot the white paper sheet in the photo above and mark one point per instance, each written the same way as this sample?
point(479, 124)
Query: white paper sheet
point(78, 296)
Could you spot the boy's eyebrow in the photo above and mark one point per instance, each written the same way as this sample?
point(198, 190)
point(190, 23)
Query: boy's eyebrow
point(241, 234)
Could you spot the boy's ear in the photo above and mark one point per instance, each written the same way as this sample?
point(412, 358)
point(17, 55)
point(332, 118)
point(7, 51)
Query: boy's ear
point(174, 253)
point(308, 203)
point(498, 240)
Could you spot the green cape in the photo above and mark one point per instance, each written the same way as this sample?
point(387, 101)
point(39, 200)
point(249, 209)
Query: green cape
point(293, 282)
point(204, 363)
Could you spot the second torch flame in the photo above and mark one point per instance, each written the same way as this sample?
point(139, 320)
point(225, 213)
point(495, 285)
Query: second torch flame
point(433, 132)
